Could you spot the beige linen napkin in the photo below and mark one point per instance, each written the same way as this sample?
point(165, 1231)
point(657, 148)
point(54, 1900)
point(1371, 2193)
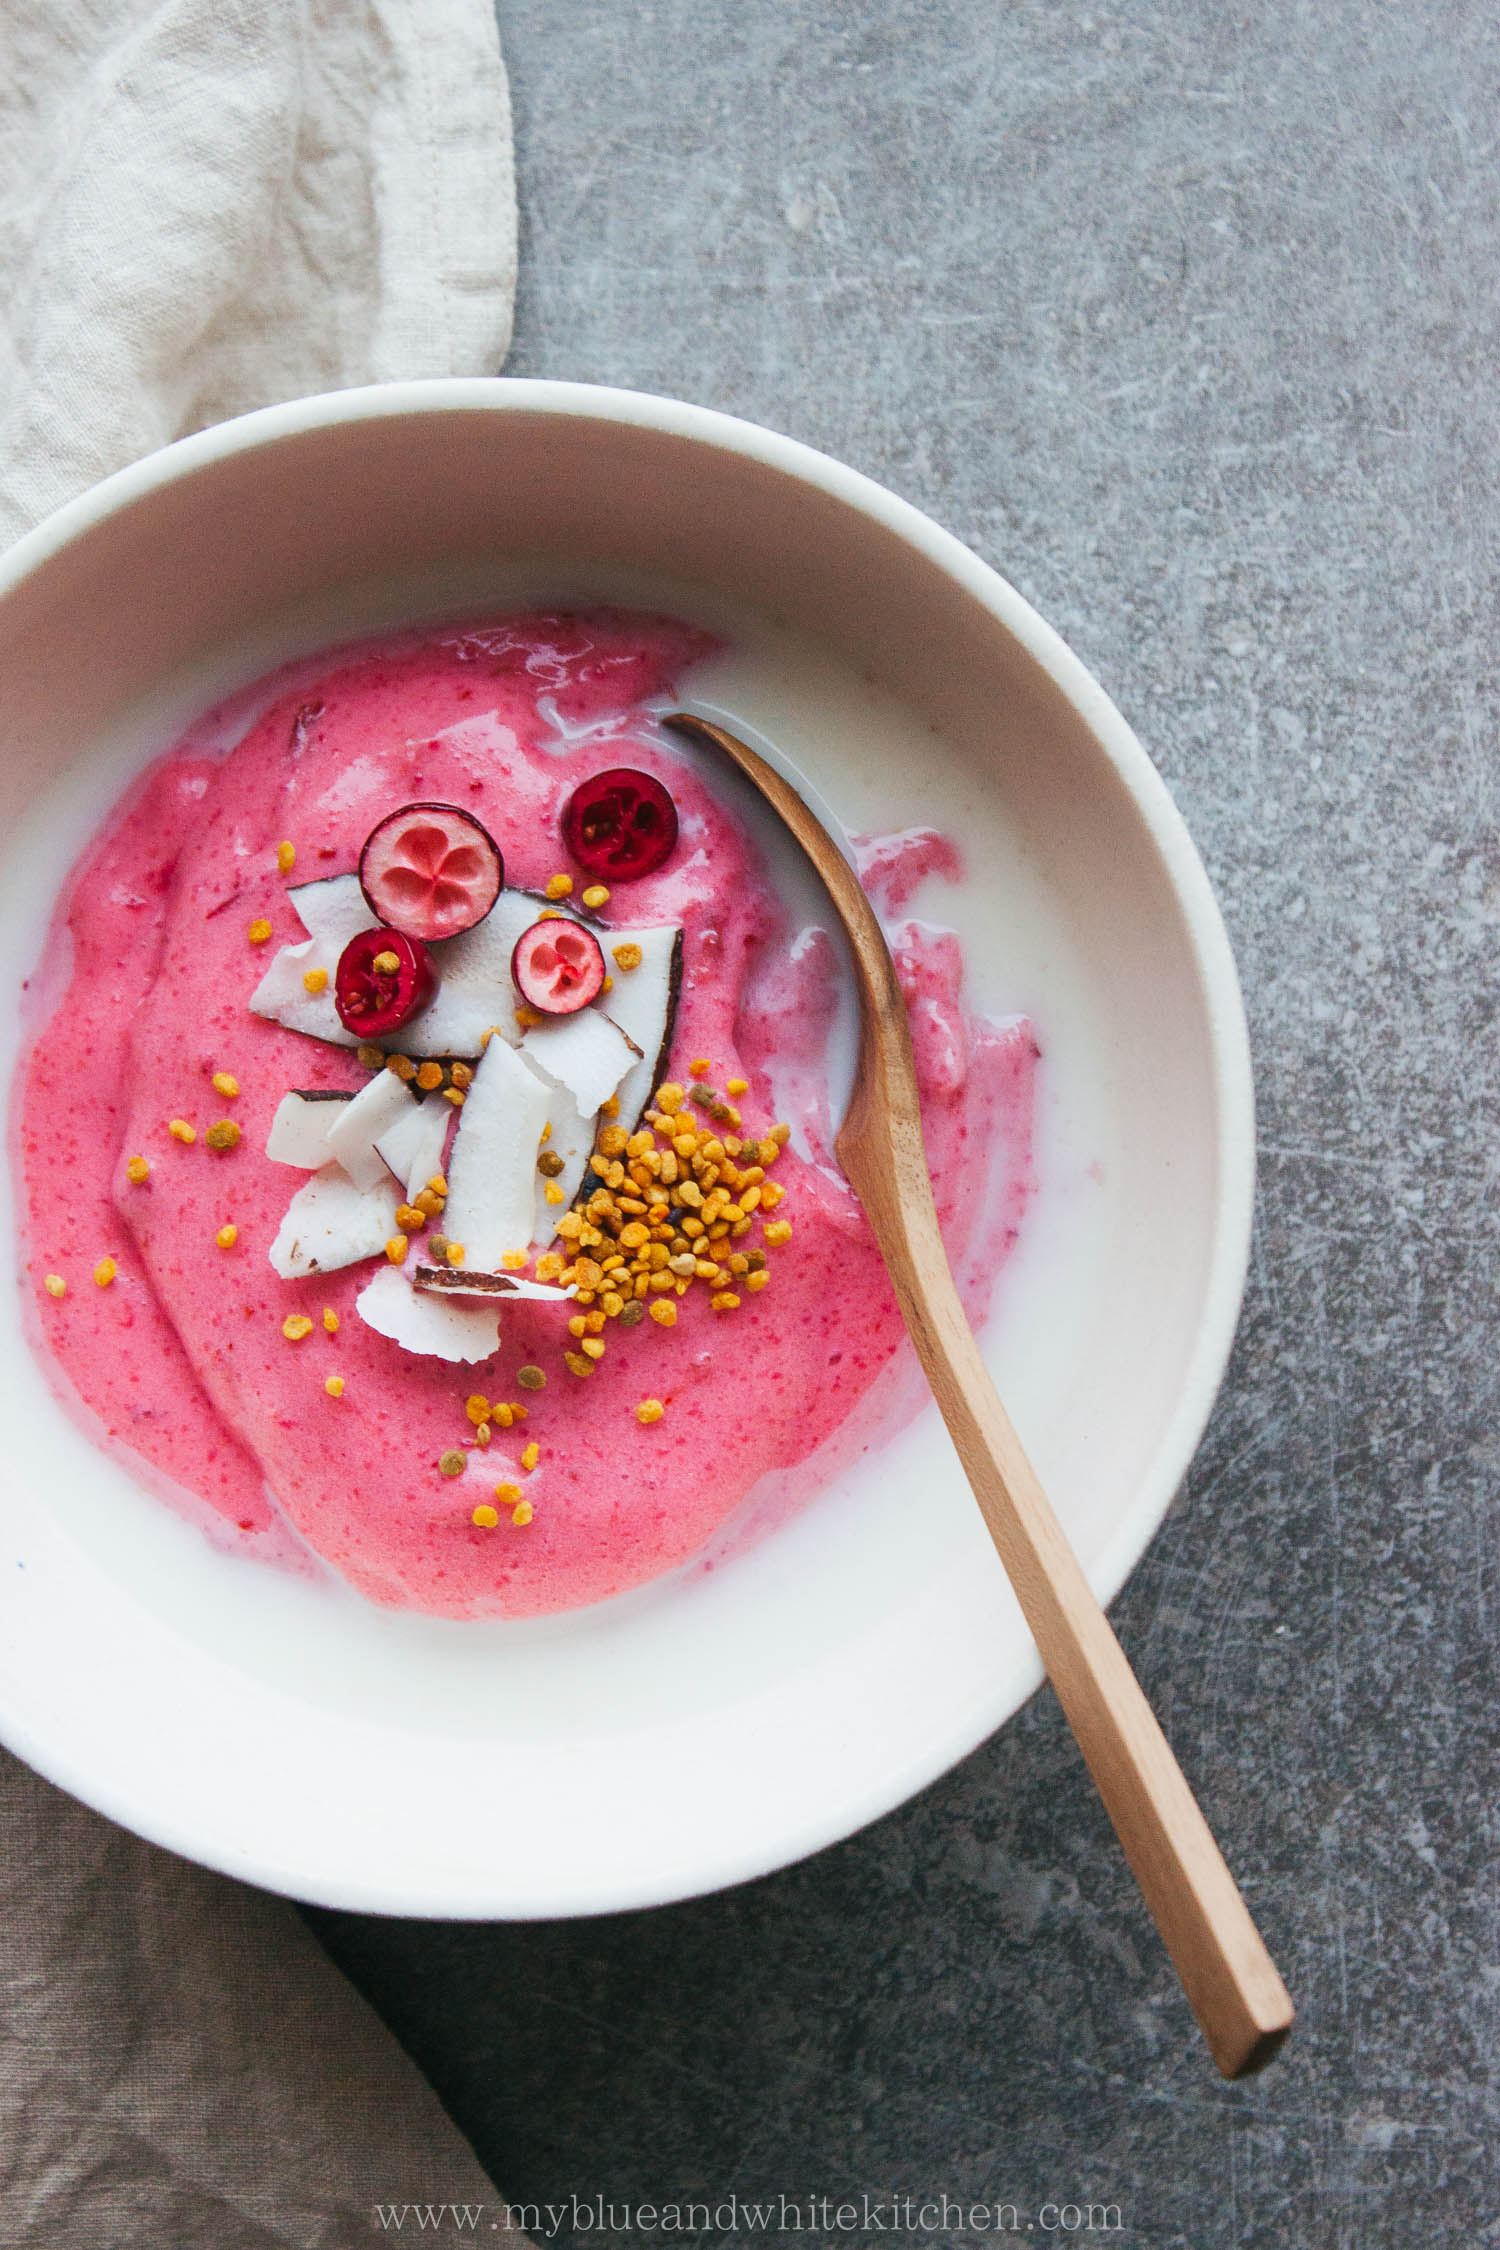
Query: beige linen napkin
point(205, 206)
point(208, 205)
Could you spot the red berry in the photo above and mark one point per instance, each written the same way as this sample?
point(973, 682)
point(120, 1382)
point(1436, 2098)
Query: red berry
point(373, 998)
point(558, 966)
point(621, 824)
point(431, 870)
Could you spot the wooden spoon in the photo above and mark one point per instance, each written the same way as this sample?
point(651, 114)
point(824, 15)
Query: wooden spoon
point(1229, 1977)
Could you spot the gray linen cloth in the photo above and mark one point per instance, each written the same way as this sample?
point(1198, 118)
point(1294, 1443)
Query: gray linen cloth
point(205, 206)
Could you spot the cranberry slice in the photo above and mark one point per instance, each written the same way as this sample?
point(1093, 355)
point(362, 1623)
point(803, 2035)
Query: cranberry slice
point(558, 966)
point(622, 823)
point(430, 870)
point(373, 998)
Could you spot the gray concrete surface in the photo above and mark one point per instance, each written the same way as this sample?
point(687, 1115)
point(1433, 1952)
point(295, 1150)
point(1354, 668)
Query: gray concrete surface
point(1184, 316)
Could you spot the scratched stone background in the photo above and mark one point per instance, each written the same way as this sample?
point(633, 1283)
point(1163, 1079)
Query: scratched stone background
point(1184, 315)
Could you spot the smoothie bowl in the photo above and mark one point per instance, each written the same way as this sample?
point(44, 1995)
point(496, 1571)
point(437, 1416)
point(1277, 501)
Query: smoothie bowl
point(466, 1456)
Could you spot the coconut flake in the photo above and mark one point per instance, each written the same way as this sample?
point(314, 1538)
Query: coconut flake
point(571, 1139)
point(413, 1147)
point(492, 1167)
point(331, 1222)
point(643, 1002)
point(332, 911)
point(375, 1109)
point(585, 1052)
point(420, 1322)
point(282, 997)
point(462, 1281)
point(475, 991)
point(299, 1130)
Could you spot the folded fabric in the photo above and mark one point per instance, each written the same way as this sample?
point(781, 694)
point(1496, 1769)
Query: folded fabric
point(206, 206)
point(181, 2065)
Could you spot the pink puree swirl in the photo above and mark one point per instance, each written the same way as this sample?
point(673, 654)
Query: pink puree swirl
point(180, 1364)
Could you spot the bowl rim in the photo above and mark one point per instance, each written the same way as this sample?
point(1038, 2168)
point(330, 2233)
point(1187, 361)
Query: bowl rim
point(1229, 1238)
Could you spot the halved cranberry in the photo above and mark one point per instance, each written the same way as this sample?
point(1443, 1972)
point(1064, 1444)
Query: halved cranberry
point(370, 995)
point(431, 870)
point(621, 824)
point(558, 966)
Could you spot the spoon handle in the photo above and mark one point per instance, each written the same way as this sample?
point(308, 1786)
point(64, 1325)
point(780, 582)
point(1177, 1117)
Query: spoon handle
point(1229, 1977)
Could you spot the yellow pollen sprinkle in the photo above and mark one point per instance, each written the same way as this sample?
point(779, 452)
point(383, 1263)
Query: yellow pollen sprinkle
point(386, 964)
point(665, 1312)
point(137, 1169)
point(627, 956)
point(559, 886)
point(507, 1494)
point(334, 1386)
point(611, 1108)
point(724, 1300)
point(315, 980)
point(530, 1456)
point(576, 1364)
point(181, 1130)
point(454, 1253)
point(650, 1410)
point(430, 1077)
point(779, 1231)
point(451, 1462)
point(485, 1517)
point(395, 1249)
point(286, 858)
point(522, 1513)
point(227, 1237)
point(330, 1320)
point(260, 930)
point(552, 1193)
point(670, 1097)
point(755, 1281)
point(529, 1018)
point(737, 1086)
point(55, 1286)
point(699, 1067)
point(225, 1083)
point(608, 985)
point(456, 1095)
point(105, 1271)
point(296, 1326)
point(223, 1133)
point(409, 1220)
point(548, 1266)
point(437, 1185)
point(595, 896)
point(512, 1261)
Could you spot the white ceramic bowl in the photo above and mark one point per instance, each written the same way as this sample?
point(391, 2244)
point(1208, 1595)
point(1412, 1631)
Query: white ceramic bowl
point(723, 1723)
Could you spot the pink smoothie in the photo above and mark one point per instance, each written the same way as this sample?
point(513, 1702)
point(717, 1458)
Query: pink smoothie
point(180, 1361)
